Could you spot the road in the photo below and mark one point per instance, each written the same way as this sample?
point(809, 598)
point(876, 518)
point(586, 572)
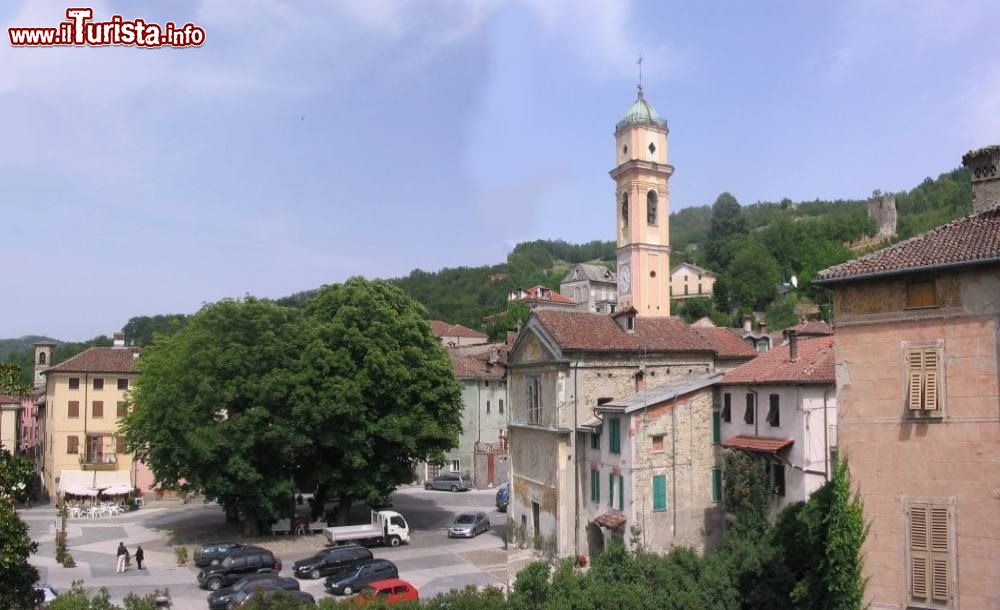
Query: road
point(431, 561)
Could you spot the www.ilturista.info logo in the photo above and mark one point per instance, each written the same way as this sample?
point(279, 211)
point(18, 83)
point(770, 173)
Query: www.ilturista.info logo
point(79, 29)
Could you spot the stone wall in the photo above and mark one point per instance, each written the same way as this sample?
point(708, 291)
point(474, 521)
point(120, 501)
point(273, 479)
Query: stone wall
point(882, 209)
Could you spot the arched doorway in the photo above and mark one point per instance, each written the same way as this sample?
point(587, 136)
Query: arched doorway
point(595, 540)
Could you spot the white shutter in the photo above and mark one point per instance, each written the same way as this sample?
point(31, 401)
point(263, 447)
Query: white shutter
point(918, 551)
point(939, 555)
point(914, 372)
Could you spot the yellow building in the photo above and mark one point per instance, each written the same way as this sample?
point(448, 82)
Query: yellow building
point(85, 399)
point(689, 281)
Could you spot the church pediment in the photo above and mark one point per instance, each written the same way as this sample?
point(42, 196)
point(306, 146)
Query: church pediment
point(534, 345)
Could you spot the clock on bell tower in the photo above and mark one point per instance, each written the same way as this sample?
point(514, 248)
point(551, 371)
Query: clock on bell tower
point(642, 209)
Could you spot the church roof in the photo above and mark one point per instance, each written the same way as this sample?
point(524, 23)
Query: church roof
point(641, 112)
point(594, 332)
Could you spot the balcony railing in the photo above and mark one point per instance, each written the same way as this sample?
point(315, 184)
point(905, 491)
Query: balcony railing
point(99, 462)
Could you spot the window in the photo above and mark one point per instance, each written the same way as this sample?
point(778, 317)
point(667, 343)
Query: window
point(761, 345)
point(595, 485)
point(122, 408)
point(930, 554)
point(614, 435)
point(98, 383)
point(41, 357)
point(685, 289)
point(123, 384)
point(97, 408)
point(651, 201)
point(659, 493)
point(748, 413)
point(611, 490)
point(456, 465)
point(487, 407)
point(624, 209)
point(727, 407)
point(500, 406)
point(630, 323)
point(72, 444)
point(774, 411)
point(776, 475)
point(96, 450)
point(716, 485)
point(595, 438)
point(658, 442)
point(921, 294)
point(699, 287)
point(716, 428)
point(74, 383)
point(119, 444)
point(923, 375)
point(73, 409)
point(534, 401)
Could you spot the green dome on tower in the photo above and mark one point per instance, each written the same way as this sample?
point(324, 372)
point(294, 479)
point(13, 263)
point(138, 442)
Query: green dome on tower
point(641, 112)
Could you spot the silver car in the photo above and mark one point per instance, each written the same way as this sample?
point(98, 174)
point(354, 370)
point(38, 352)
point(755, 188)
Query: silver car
point(451, 481)
point(468, 525)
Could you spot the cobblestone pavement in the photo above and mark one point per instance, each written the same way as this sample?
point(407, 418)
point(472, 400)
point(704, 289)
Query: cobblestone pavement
point(431, 561)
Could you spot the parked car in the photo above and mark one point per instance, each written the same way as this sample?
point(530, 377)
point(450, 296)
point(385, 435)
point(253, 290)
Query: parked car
point(451, 481)
point(236, 565)
point(244, 598)
point(469, 525)
point(44, 595)
point(503, 497)
point(212, 554)
point(353, 579)
point(219, 600)
point(330, 561)
point(389, 591)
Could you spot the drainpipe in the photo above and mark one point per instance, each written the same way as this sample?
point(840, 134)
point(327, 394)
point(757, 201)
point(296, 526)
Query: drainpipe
point(826, 440)
point(756, 419)
point(576, 463)
point(673, 459)
point(86, 400)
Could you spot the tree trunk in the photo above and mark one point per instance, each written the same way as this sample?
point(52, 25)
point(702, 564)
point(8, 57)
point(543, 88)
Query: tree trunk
point(232, 514)
point(251, 524)
point(344, 510)
point(319, 500)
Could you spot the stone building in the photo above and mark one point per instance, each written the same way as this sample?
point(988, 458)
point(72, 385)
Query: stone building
point(454, 335)
point(917, 356)
point(782, 408)
point(562, 367)
point(882, 209)
point(594, 288)
point(652, 461)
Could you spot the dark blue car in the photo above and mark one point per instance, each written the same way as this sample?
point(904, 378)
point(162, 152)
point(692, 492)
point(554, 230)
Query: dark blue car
point(503, 497)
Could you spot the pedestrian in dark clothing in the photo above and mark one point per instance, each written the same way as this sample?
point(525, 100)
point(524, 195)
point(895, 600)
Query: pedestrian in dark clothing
point(138, 557)
point(122, 552)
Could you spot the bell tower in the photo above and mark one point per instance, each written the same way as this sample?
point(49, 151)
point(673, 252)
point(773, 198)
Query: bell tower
point(642, 210)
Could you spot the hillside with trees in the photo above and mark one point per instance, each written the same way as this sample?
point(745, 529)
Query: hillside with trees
point(753, 248)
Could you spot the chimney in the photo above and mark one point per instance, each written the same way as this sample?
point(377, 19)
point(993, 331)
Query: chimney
point(984, 164)
point(494, 356)
point(763, 327)
point(793, 346)
point(119, 341)
point(747, 324)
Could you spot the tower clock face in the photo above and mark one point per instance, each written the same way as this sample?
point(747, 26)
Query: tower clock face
point(624, 279)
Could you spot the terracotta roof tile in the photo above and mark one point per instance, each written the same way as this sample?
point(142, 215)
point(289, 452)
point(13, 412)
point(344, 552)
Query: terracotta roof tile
point(814, 365)
point(535, 294)
point(100, 360)
point(444, 329)
point(764, 444)
point(476, 367)
point(970, 240)
point(10, 399)
point(582, 331)
point(612, 519)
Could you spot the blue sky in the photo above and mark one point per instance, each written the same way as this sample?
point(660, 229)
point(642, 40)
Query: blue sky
point(306, 142)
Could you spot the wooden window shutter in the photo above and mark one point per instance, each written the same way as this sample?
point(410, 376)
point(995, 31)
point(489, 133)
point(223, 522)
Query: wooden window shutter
point(659, 492)
point(931, 379)
point(939, 556)
point(716, 428)
point(72, 444)
point(73, 410)
point(914, 371)
point(122, 408)
point(918, 551)
point(611, 490)
point(119, 444)
point(98, 408)
point(621, 492)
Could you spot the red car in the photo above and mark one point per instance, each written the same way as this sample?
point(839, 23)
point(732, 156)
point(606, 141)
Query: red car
point(391, 591)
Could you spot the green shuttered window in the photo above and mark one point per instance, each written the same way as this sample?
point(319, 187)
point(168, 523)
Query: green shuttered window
point(660, 492)
point(716, 428)
point(614, 435)
point(716, 485)
point(595, 485)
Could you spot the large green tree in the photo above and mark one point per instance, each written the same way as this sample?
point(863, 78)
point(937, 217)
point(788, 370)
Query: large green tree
point(214, 408)
point(17, 576)
point(726, 227)
point(753, 275)
point(377, 385)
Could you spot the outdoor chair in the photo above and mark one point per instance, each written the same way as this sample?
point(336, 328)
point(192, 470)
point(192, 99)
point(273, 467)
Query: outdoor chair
point(283, 526)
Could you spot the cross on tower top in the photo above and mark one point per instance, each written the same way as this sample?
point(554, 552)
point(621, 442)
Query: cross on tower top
point(639, 62)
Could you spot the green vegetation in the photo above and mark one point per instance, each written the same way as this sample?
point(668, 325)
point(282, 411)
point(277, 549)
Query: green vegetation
point(17, 575)
point(251, 401)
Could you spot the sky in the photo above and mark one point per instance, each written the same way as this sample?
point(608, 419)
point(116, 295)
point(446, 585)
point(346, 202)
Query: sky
point(306, 142)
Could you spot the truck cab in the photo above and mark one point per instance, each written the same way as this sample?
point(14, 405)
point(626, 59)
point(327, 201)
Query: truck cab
point(394, 527)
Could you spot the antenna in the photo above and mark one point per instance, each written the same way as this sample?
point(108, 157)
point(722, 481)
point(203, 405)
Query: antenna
point(639, 62)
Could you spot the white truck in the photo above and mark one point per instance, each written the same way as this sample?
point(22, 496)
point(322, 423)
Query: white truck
point(387, 527)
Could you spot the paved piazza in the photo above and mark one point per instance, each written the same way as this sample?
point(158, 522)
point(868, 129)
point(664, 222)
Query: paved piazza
point(431, 561)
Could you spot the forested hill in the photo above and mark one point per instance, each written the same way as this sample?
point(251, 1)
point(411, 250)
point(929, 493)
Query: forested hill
point(753, 248)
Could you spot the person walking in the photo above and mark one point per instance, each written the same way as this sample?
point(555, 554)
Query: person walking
point(138, 557)
point(122, 552)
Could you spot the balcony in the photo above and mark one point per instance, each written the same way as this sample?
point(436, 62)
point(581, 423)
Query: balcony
point(99, 462)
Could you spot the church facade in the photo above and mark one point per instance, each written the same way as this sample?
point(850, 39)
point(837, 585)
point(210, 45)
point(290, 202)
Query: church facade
point(566, 366)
